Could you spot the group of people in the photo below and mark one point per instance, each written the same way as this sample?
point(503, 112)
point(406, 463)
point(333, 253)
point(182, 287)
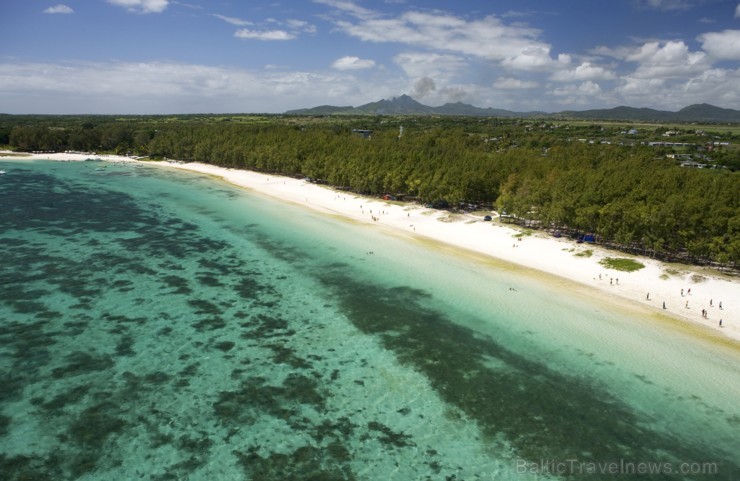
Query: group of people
point(704, 312)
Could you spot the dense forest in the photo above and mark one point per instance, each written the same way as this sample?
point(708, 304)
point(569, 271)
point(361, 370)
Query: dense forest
point(575, 178)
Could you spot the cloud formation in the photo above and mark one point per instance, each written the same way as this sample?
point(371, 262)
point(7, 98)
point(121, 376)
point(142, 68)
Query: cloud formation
point(671, 59)
point(510, 83)
point(352, 63)
point(423, 86)
point(584, 71)
point(232, 20)
point(428, 64)
point(64, 9)
point(264, 34)
point(362, 51)
point(289, 29)
point(142, 6)
point(722, 45)
point(157, 87)
point(489, 37)
point(667, 5)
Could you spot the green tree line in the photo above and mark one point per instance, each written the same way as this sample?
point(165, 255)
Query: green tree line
point(627, 196)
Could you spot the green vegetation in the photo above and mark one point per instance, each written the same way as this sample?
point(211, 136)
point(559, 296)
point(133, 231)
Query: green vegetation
point(586, 253)
point(577, 178)
point(621, 264)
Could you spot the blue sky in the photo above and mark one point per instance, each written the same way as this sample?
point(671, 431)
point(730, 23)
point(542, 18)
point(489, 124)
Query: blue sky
point(211, 56)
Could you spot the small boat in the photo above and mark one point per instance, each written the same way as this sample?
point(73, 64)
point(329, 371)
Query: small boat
point(2, 172)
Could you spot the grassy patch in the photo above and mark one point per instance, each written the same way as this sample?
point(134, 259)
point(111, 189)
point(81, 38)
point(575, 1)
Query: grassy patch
point(621, 264)
point(696, 278)
point(588, 253)
point(522, 234)
point(13, 154)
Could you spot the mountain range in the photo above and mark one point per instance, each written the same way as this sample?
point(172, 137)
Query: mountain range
point(405, 105)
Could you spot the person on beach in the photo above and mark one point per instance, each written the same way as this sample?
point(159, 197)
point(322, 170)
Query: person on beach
point(681, 292)
point(687, 304)
point(648, 297)
point(663, 304)
point(720, 323)
point(720, 304)
point(710, 303)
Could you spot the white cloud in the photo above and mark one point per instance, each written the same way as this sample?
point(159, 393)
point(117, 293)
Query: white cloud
point(670, 60)
point(510, 83)
point(294, 28)
point(487, 38)
point(433, 65)
point(141, 6)
point(577, 96)
point(641, 88)
point(531, 58)
point(348, 7)
point(584, 89)
point(264, 35)
point(352, 63)
point(59, 9)
point(232, 20)
point(719, 87)
point(301, 25)
point(454, 93)
point(536, 58)
point(667, 5)
point(585, 71)
point(722, 45)
point(614, 52)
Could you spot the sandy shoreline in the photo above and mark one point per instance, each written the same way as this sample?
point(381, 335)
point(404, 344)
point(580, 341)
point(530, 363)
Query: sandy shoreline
point(686, 290)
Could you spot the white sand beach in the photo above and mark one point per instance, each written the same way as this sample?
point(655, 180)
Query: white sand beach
point(685, 290)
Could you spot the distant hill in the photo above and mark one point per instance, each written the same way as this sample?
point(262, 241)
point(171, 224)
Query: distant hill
point(405, 105)
point(708, 113)
point(618, 113)
point(692, 113)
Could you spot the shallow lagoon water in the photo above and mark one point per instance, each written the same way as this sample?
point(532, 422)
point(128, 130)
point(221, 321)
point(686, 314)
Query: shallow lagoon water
point(164, 325)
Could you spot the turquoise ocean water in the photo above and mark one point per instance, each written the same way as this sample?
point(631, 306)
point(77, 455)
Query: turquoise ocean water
point(163, 325)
